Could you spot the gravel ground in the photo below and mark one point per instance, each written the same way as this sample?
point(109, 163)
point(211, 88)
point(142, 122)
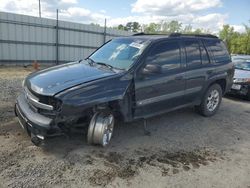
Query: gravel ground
point(184, 150)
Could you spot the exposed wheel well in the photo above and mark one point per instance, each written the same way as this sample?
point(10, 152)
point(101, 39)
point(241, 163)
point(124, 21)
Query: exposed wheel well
point(222, 83)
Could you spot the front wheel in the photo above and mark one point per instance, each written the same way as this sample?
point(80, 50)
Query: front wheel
point(101, 128)
point(211, 101)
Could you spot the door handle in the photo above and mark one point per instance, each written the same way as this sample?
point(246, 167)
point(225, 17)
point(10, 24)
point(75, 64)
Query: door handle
point(209, 72)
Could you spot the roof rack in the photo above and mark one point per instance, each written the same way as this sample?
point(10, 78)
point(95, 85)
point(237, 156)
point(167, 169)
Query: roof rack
point(192, 35)
point(138, 34)
point(142, 33)
point(178, 35)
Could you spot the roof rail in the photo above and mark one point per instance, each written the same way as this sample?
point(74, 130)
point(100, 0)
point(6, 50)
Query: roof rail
point(142, 33)
point(177, 35)
point(138, 34)
point(192, 35)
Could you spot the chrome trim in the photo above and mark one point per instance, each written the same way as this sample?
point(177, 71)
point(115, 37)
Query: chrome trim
point(21, 114)
point(29, 116)
point(40, 137)
point(34, 101)
point(20, 122)
point(168, 96)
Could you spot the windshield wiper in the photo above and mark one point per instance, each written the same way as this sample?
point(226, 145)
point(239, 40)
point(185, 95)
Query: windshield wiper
point(105, 64)
point(99, 63)
point(91, 61)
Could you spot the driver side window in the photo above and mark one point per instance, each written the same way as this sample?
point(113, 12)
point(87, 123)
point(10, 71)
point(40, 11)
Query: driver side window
point(166, 55)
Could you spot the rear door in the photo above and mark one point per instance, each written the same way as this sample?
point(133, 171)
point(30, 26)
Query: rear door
point(165, 90)
point(197, 65)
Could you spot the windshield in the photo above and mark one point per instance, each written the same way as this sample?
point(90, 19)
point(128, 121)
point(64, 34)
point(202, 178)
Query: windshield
point(237, 58)
point(242, 65)
point(120, 53)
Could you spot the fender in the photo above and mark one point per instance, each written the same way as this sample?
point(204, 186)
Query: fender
point(78, 99)
point(213, 79)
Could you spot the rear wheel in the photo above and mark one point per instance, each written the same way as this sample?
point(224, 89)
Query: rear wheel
point(248, 94)
point(101, 128)
point(211, 101)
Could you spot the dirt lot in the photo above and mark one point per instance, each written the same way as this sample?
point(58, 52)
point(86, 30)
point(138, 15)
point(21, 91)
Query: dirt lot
point(184, 150)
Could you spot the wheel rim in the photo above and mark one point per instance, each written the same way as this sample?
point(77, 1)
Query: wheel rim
point(213, 100)
point(108, 129)
point(101, 129)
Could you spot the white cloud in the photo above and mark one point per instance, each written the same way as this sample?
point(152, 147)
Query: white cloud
point(238, 28)
point(143, 11)
point(188, 12)
point(67, 10)
point(212, 22)
point(170, 7)
point(76, 11)
point(68, 2)
point(22, 7)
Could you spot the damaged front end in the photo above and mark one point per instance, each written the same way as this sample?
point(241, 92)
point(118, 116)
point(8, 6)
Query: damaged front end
point(37, 114)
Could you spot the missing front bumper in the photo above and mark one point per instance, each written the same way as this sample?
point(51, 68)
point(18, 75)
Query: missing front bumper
point(34, 123)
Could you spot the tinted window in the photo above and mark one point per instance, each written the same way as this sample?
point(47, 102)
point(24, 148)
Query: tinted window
point(166, 54)
point(204, 55)
point(193, 53)
point(219, 50)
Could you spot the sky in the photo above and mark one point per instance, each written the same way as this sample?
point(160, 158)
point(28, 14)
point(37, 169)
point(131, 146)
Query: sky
point(207, 14)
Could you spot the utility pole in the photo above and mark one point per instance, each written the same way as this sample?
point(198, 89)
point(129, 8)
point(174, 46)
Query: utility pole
point(105, 30)
point(39, 8)
point(57, 39)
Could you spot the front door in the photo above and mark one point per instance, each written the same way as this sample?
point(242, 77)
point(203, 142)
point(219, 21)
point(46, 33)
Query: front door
point(158, 91)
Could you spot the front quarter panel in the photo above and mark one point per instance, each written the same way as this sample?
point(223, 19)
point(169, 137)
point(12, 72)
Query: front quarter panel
point(79, 98)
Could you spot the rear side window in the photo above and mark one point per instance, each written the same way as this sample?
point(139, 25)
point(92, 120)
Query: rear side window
point(193, 53)
point(165, 54)
point(219, 50)
point(204, 55)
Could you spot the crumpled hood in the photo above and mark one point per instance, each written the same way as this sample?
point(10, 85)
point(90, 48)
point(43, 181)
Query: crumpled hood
point(56, 79)
point(241, 73)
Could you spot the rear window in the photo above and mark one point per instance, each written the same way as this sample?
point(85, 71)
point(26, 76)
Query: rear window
point(219, 50)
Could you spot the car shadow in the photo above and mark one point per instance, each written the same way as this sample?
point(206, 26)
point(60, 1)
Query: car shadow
point(237, 98)
point(175, 131)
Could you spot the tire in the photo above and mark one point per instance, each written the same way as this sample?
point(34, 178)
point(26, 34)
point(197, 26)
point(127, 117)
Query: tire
point(211, 101)
point(248, 94)
point(101, 128)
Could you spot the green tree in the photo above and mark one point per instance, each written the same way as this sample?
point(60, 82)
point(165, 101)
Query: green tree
point(247, 40)
point(238, 43)
point(121, 27)
point(187, 29)
point(170, 27)
point(197, 31)
point(227, 33)
point(133, 26)
point(174, 26)
point(152, 28)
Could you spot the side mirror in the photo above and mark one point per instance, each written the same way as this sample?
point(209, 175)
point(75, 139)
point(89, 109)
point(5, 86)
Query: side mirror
point(151, 69)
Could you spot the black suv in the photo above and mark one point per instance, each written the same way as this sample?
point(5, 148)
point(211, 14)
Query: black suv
point(127, 78)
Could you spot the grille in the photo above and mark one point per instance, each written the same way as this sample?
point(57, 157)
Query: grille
point(35, 102)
